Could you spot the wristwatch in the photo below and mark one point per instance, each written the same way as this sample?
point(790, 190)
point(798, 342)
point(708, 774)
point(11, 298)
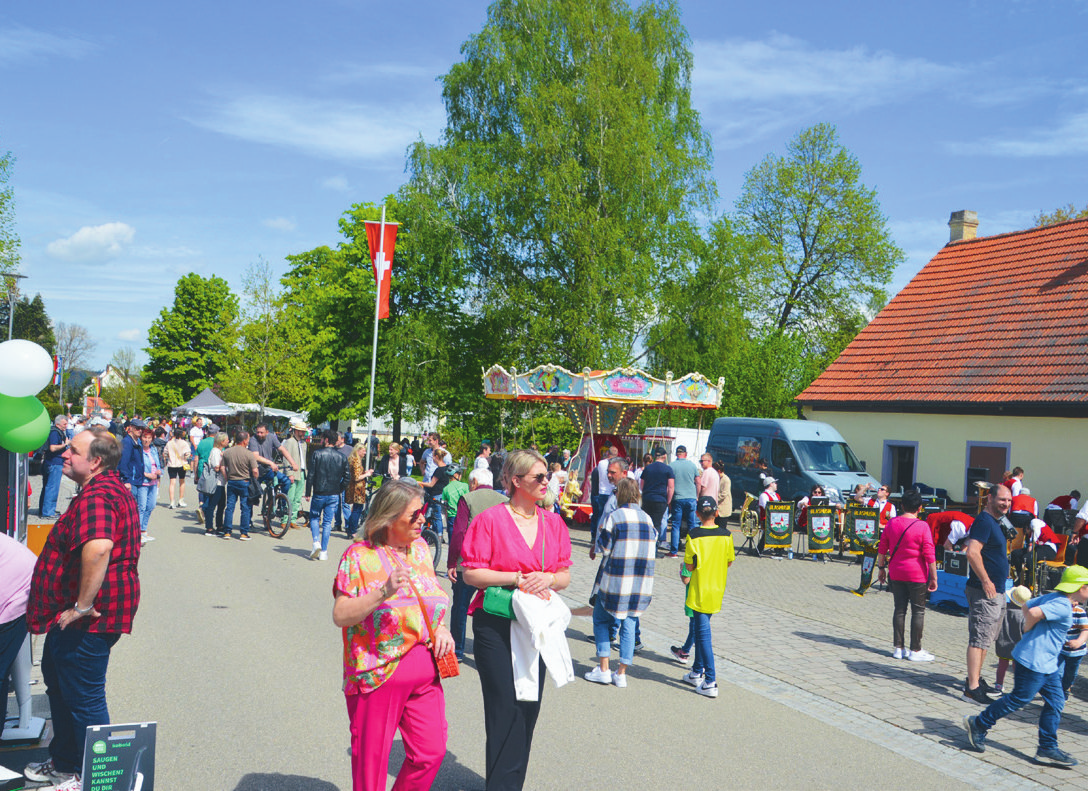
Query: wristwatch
point(81, 612)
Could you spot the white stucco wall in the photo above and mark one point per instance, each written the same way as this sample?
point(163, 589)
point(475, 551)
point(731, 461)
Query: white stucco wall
point(1051, 450)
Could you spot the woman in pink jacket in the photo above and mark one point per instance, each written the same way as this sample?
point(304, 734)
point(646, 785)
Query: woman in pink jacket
point(906, 557)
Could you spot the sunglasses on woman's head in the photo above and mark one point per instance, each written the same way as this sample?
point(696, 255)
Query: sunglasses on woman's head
point(538, 478)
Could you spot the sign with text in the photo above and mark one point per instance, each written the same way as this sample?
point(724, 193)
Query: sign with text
point(779, 530)
point(821, 528)
point(120, 757)
point(861, 528)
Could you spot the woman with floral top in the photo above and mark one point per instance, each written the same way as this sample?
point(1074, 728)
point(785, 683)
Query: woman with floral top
point(390, 677)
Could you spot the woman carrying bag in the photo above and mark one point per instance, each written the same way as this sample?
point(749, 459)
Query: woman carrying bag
point(907, 557)
point(391, 608)
point(514, 545)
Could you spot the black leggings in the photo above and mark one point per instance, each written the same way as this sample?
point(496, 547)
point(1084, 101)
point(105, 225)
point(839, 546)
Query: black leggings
point(508, 722)
point(915, 594)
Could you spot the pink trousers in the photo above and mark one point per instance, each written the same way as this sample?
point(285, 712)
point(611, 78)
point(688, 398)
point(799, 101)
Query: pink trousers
point(412, 700)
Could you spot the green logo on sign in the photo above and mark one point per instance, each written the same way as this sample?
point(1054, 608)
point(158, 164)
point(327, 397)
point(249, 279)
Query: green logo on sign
point(98, 747)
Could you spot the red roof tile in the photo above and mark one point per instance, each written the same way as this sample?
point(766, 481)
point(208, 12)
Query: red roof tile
point(995, 320)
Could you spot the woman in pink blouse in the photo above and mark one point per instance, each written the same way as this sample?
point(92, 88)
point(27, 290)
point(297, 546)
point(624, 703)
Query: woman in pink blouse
point(514, 544)
point(390, 677)
point(906, 555)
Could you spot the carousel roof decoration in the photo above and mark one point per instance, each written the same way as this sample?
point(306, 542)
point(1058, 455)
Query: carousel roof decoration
point(603, 402)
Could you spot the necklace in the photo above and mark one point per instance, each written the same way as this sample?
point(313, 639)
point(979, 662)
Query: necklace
point(519, 513)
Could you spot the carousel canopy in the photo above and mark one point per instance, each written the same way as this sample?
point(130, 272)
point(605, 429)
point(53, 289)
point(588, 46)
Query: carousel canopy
point(603, 402)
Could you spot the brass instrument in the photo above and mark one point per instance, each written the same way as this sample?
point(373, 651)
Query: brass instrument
point(983, 494)
point(749, 524)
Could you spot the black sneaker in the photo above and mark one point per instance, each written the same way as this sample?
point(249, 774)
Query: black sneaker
point(679, 653)
point(1052, 756)
point(975, 736)
point(983, 686)
point(977, 695)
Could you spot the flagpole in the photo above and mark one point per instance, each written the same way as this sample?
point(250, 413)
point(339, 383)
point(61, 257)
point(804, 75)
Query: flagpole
point(379, 274)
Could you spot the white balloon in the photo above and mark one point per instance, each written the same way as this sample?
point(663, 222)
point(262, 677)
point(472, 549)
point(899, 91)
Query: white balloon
point(25, 368)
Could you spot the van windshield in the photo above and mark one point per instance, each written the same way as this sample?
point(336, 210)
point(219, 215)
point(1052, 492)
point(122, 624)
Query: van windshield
point(823, 456)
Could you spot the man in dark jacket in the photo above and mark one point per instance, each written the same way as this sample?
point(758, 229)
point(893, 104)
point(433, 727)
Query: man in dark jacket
point(131, 467)
point(328, 468)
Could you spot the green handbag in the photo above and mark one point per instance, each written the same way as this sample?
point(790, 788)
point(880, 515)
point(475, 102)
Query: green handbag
point(500, 601)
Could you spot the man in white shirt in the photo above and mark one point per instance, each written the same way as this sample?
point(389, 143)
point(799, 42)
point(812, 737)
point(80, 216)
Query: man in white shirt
point(196, 432)
point(482, 458)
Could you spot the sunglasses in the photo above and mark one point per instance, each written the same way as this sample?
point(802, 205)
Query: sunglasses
point(538, 478)
point(419, 514)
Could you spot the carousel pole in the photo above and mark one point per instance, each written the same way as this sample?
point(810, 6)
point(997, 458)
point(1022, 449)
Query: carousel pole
point(374, 350)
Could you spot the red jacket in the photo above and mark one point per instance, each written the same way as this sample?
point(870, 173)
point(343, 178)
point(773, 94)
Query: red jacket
point(1025, 502)
point(941, 523)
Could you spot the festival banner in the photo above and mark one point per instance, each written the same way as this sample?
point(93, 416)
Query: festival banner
point(861, 528)
point(778, 532)
point(868, 563)
point(821, 528)
point(381, 259)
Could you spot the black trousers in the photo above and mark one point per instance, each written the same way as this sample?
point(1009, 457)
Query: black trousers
point(915, 594)
point(508, 722)
point(655, 511)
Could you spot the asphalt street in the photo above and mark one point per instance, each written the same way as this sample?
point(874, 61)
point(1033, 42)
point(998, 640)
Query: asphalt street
point(235, 656)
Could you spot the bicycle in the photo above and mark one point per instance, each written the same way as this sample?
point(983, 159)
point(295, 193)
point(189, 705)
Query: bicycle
point(429, 533)
point(275, 509)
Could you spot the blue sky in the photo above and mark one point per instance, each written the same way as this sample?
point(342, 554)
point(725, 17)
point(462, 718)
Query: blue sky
point(154, 140)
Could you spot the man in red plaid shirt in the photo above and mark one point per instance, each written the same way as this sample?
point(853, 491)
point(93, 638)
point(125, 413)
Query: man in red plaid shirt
point(83, 597)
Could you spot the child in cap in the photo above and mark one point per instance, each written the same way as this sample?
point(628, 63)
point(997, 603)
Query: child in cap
point(1076, 646)
point(708, 555)
point(1047, 620)
point(1011, 631)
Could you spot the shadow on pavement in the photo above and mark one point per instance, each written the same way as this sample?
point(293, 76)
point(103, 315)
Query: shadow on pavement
point(940, 683)
point(278, 782)
point(453, 776)
point(842, 642)
point(286, 550)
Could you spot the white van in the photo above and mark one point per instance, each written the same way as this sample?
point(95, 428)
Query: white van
point(798, 453)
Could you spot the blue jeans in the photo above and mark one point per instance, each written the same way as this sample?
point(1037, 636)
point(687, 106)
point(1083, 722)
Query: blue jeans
point(323, 506)
point(354, 517)
point(462, 597)
point(74, 666)
point(1026, 686)
point(681, 510)
point(1068, 665)
point(340, 510)
point(690, 642)
point(209, 504)
point(47, 501)
point(146, 497)
point(598, 501)
point(237, 490)
point(602, 628)
point(704, 650)
point(283, 480)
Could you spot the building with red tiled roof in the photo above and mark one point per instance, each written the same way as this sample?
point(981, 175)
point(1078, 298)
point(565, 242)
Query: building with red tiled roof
point(979, 363)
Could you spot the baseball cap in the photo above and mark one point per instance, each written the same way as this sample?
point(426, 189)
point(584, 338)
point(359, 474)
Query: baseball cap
point(707, 503)
point(1073, 579)
point(136, 423)
point(681, 449)
point(213, 429)
point(659, 451)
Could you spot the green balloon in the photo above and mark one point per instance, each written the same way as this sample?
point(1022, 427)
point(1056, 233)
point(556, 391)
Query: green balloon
point(24, 424)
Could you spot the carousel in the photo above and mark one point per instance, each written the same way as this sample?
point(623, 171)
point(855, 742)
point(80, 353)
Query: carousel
point(603, 405)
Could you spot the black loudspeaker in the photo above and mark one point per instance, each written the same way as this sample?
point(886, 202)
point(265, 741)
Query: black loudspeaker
point(955, 563)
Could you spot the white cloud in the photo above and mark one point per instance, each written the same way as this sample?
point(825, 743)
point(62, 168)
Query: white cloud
point(22, 43)
point(130, 335)
point(367, 72)
point(751, 88)
point(333, 129)
point(336, 184)
point(93, 242)
point(280, 224)
point(1067, 137)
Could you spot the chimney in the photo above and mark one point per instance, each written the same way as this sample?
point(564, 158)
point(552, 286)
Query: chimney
point(963, 226)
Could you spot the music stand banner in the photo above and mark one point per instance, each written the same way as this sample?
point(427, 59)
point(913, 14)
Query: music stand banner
point(862, 528)
point(821, 528)
point(779, 530)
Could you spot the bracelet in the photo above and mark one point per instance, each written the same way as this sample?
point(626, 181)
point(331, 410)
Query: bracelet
point(81, 612)
point(517, 579)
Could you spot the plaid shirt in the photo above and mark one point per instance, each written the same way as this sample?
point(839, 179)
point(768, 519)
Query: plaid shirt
point(625, 580)
point(104, 509)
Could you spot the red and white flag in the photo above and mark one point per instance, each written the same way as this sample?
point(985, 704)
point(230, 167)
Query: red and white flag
point(381, 259)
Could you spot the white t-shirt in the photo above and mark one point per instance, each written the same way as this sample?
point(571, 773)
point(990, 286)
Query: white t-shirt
point(1016, 486)
point(196, 433)
point(604, 486)
point(956, 531)
point(215, 458)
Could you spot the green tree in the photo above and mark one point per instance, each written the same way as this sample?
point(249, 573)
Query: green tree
point(821, 253)
point(9, 240)
point(32, 323)
point(1061, 214)
point(192, 343)
point(128, 394)
point(573, 167)
point(271, 367)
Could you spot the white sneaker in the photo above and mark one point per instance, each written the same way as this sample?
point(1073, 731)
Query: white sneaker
point(900, 653)
point(708, 689)
point(71, 784)
point(145, 538)
point(921, 655)
point(45, 772)
point(181, 504)
point(598, 676)
point(620, 680)
point(323, 556)
point(316, 552)
point(693, 678)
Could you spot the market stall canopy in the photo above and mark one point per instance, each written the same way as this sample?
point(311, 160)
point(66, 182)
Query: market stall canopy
point(206, 403)
point(603, 402)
